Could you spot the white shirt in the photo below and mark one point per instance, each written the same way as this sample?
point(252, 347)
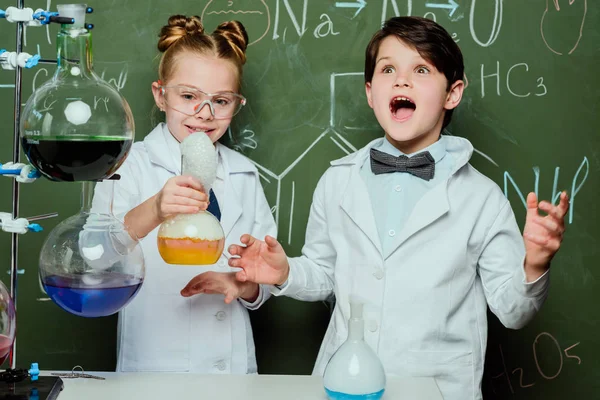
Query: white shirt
point(425, 295)
point(394, 195)
point(160, 330)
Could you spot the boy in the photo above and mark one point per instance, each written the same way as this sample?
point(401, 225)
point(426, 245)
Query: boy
point(414, 229)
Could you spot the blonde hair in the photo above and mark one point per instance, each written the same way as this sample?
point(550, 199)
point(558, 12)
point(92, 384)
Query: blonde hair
point(228, 42)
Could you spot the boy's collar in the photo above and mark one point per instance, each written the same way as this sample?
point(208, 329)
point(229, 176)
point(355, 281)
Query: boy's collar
point(437, 149)
point(460, 149)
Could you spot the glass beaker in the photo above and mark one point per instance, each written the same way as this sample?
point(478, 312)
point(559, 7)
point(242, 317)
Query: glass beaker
point(90, 264)
point(76, 127)
point(194, 239)
point(7, 323)
point(354, 371)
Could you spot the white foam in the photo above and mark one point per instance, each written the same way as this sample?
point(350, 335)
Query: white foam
point(196, 226)
point(199, 159)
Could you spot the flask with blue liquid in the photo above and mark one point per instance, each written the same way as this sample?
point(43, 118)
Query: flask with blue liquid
point(91, 264)
point(355, 372)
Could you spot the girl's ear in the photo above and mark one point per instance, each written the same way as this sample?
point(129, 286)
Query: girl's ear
point(158, 96)
point(454, 95)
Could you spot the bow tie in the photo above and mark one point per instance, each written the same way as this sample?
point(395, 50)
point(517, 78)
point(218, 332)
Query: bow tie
point(421, 165)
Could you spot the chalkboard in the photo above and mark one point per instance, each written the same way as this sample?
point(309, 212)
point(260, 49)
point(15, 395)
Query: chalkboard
point(530, 109)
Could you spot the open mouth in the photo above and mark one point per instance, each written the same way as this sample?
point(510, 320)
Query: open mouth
point(402, 108)
point(193, 129)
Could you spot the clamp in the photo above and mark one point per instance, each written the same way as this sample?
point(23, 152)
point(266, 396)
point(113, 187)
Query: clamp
point(23, 173)
point(19, 225)
point(10, 60)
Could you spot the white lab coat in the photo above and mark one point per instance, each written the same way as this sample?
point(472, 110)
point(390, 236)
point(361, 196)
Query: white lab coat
point(425, 311)
point(160, 330)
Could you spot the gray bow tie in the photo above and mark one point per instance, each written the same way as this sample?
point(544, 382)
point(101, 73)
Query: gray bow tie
point(421, 165)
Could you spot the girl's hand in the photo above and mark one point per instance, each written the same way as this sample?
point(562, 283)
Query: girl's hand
point(261, 262)
point(180, 195)
point(221, 283)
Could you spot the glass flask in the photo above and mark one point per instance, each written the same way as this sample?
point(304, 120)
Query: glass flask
point(90, 265)
point(7, 323)
point(194, 239)
point(76, 127)
point(355, 372)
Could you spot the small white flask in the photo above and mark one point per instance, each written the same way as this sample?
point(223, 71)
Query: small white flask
point(355, 372)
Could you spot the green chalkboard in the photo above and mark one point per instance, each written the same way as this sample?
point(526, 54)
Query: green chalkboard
point(530, 109)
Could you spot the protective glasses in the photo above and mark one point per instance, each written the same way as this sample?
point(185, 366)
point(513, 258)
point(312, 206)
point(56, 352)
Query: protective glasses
point(190, 101)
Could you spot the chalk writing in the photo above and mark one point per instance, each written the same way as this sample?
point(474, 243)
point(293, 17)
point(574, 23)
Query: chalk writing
point(525, 380)
point(539, 90)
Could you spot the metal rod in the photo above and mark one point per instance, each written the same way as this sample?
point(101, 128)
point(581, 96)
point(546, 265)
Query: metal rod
point(42, 216)
point(14, 250)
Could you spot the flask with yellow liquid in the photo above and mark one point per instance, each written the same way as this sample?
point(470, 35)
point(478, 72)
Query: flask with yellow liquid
point(194, 239)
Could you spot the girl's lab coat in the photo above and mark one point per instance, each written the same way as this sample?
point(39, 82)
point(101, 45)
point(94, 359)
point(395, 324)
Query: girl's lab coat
point(425, 299)
point(160, 330)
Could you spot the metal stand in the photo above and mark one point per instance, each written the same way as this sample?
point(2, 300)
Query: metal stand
point(14, 248)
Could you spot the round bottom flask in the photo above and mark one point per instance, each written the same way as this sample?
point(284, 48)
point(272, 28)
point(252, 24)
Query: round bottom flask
point(90, 265)
point(194, 239)
point(354, 371)
point(191, 239)
point(7, 323)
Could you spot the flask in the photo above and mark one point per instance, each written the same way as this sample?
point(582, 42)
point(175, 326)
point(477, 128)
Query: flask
point(7, 323)
point(354, 371)
point(76, 127)
point(194, 239)
point(90, 264)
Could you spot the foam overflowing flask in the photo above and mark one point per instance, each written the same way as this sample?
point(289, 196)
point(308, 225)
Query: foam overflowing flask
point(90, 264)
point(194, 239)
point(76, 126)
point(7, 323)
point(354, 371)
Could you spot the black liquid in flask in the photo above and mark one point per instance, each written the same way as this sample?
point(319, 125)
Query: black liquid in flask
point(70, 159)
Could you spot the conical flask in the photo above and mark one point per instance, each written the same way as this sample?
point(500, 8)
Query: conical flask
point(76, 127)
point(90, 265)
point(7, 323)
point(354, 372)
point(194, 239)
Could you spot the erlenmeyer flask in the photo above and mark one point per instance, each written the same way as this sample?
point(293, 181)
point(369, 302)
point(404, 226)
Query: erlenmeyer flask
point(76, 127)
point(194, 239)
point(90, 265)
point(7, 323)
point(355, 371)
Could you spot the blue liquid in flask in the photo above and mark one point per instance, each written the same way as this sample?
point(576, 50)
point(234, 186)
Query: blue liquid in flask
point(92, 296)
point(345, 396)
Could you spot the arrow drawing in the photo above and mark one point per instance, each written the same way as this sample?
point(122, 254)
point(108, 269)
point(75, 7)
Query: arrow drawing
point(451, 5)
point(358, 4)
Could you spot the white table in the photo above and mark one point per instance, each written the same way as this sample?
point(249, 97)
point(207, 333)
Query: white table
point(151, 386)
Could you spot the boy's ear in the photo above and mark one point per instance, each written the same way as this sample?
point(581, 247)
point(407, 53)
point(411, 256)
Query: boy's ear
point(454, 95)
point(368, 91)
point(158, 98)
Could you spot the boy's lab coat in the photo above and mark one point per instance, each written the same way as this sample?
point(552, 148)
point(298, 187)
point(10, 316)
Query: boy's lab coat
point(160, 330)
point(425, 312)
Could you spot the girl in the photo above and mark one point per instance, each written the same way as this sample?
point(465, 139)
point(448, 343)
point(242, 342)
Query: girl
point(166, 328)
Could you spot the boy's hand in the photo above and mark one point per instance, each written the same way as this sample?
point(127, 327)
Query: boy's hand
point(180, 195)
point(261, 262)
point(543, 234)
point(212, 282)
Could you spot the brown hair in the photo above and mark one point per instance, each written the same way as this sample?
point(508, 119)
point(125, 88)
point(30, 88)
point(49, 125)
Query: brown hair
point(229, 42)
point(429, 39)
